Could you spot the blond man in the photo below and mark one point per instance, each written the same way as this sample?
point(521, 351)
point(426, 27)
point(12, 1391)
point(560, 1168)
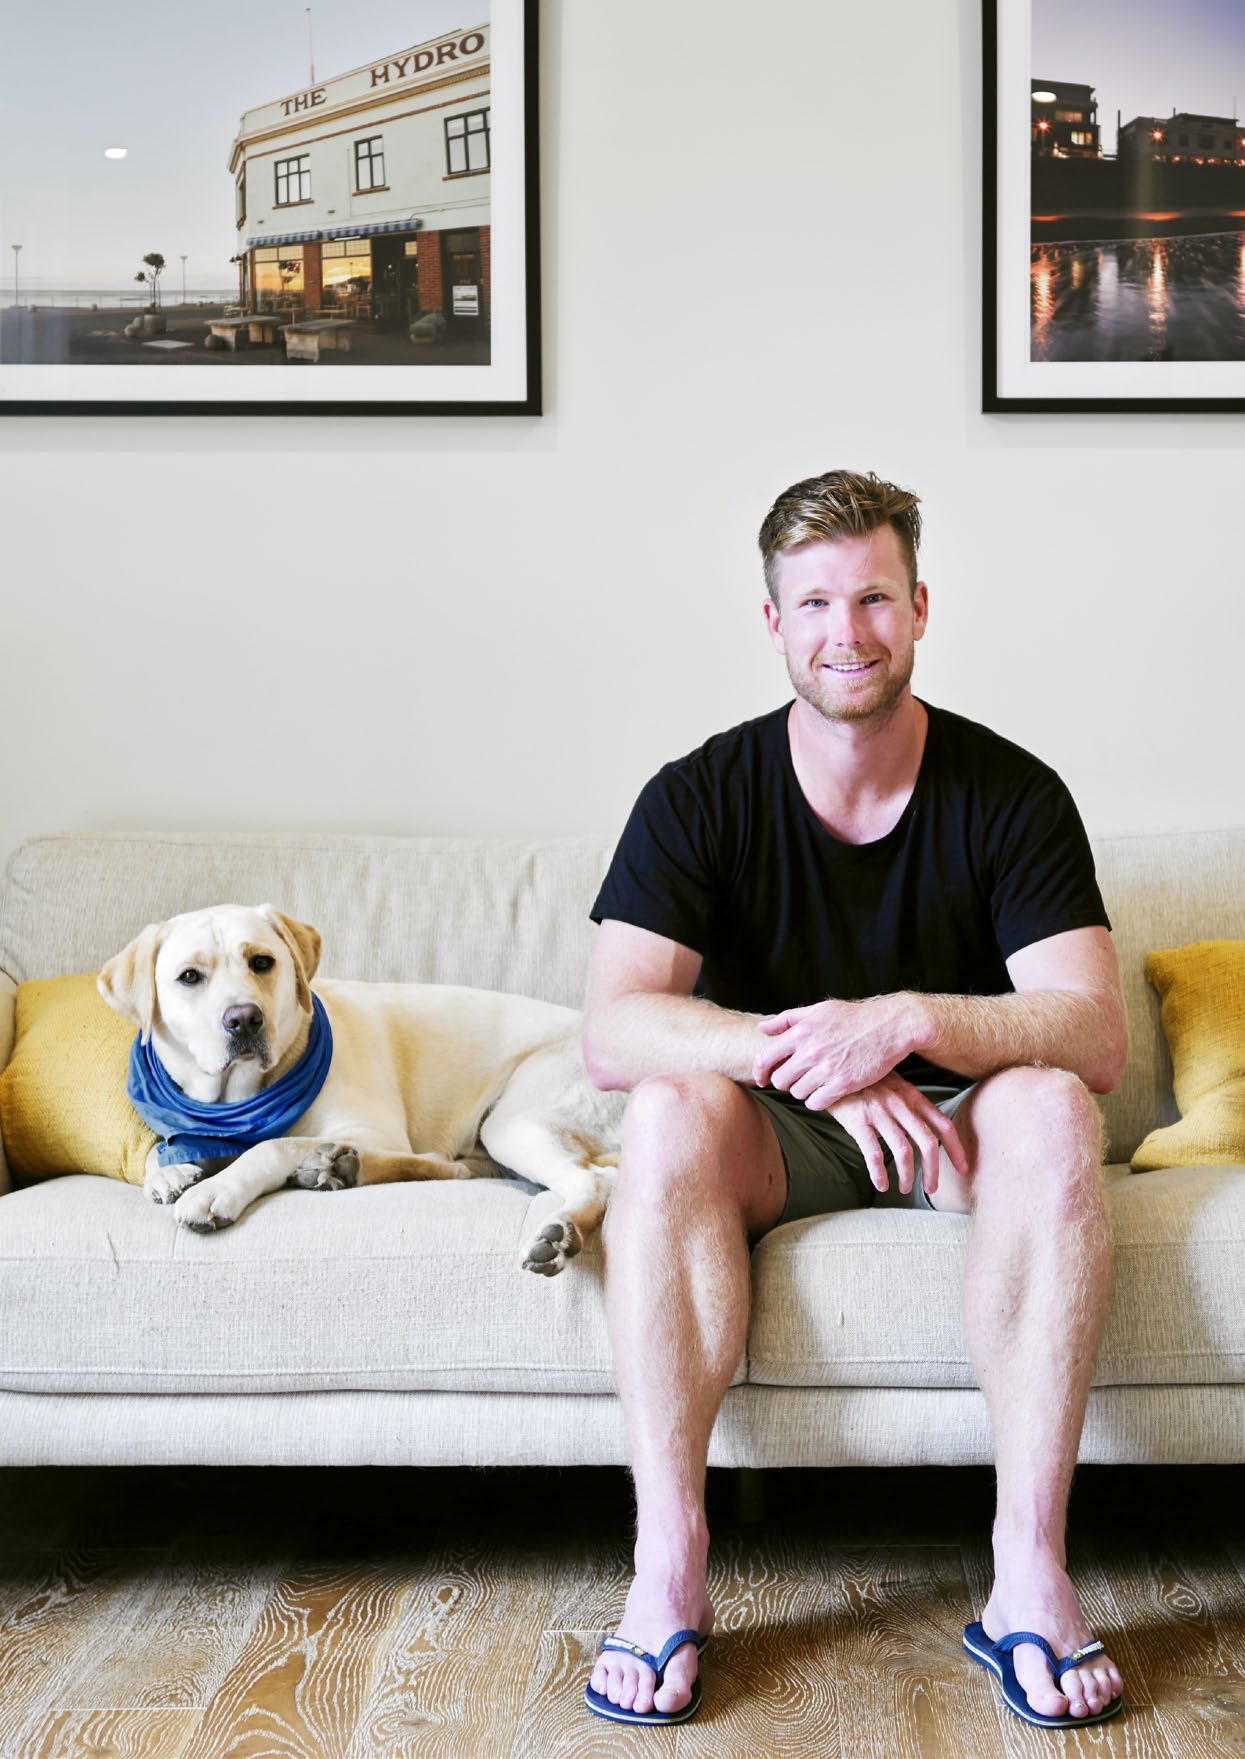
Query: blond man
point(855, 951)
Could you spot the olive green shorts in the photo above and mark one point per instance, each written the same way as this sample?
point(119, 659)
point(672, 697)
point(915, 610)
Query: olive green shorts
point(826, 1170)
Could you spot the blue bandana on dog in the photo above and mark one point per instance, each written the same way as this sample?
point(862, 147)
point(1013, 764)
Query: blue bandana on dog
point(192, 1130)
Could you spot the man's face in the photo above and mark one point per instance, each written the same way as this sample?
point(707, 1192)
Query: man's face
point(847, 624)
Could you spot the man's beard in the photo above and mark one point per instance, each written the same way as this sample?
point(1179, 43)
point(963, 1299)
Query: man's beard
point(872, 705)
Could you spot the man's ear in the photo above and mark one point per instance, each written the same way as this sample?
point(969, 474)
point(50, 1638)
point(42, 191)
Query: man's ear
point(303, 942)
point(128, 982)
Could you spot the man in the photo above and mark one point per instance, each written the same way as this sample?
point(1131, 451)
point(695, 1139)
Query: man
point(936, 883)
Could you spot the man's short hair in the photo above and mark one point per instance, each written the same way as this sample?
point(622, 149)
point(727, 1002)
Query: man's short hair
point(840, 504)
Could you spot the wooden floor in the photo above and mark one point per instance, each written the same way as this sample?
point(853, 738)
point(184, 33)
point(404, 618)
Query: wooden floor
point(199, 1614)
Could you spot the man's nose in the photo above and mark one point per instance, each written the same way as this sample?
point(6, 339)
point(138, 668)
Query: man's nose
point(843, 625)
point(244, 1017)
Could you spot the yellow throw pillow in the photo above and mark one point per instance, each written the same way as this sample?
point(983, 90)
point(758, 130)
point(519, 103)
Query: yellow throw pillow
point(63, 1105)
point(1202, 988)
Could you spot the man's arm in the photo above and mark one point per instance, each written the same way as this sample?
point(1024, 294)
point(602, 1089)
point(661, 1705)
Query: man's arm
point(1068, 1012)
point(640, 1017)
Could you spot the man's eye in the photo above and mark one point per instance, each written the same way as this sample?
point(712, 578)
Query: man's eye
point(190, 978)
point(262, 962)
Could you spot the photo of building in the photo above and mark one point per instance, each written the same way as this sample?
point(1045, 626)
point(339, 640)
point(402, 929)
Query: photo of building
point(277, 207)
point(1137, 226)
point(366, 196)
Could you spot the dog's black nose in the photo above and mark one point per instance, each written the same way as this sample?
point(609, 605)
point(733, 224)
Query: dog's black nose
point(243, 1019)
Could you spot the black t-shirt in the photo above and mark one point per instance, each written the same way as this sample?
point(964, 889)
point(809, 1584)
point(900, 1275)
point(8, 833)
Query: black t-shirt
point(724, 854)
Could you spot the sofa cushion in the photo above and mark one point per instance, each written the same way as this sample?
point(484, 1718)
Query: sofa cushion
point(63, 1104)
point(388, 1287)
point(872, 1297)
point(1202, 987)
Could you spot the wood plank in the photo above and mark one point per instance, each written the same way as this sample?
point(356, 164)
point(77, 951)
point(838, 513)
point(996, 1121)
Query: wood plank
point(458, 1653)
point(110, 1734)
point(1180, 1642)
point(304, 1672)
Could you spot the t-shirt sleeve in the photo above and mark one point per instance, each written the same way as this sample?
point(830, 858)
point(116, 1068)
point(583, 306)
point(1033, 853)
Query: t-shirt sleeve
point(1044, 879)
point(663, 873)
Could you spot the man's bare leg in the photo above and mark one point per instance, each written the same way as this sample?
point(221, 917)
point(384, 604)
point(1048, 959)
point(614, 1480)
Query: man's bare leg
point(1036, 1286)
point(700, 1173)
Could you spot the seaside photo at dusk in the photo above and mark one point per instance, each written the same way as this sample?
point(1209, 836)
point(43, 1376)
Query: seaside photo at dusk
point(280, 186)
point(1137, 158)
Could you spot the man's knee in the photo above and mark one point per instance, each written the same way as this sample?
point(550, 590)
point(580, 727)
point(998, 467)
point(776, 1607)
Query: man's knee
point(691, 1132)
point(1049, 1128)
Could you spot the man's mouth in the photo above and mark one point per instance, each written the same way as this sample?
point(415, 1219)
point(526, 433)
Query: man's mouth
point(850, 668)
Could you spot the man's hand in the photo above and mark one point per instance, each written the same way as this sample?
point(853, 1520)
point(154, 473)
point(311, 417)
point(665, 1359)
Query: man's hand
point(894, 1112)
point(822, 1053)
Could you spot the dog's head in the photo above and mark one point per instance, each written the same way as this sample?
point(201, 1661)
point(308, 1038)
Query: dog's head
point(217, 987)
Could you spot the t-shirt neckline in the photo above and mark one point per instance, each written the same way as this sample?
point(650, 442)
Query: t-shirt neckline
point(878, 844)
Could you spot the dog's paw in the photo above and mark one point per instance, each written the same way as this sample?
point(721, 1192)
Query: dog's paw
point(204, 1210)
point(166, 1184)
point(557, 1242)
point(330, 1166)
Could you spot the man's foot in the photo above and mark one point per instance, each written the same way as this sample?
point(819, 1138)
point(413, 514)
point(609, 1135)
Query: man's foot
point(655, 1607)
point(1041, 1598)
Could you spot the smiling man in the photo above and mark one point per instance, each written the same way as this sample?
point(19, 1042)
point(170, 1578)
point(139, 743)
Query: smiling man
point(854, 952)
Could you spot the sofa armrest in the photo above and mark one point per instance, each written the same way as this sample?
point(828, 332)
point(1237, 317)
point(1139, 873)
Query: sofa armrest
point(8, 1024)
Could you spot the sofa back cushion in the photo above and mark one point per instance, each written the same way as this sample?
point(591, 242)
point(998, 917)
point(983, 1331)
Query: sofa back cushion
point(509, 914)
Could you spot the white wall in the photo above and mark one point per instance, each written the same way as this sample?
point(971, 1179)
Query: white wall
point(503, 626)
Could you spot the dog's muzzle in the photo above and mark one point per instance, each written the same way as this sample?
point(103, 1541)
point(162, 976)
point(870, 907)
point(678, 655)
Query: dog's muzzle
point(244, 1032)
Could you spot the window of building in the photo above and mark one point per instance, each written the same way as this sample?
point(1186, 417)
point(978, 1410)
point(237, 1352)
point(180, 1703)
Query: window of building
point(1184, 140)
point(1080, 139)
point(240, 197)
point(294, 180)
point(1069, 115)
point(1205, 140)
point(467, 142)
point(278, 276)
point(346, 273)
point(369, 163)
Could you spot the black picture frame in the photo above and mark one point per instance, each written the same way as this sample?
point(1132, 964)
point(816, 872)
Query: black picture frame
point(508, 382)
point(1012, 381)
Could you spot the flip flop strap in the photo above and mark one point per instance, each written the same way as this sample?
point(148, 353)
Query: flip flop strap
point(1014, 1639)
point(656, 1662)
point(1093, 1647)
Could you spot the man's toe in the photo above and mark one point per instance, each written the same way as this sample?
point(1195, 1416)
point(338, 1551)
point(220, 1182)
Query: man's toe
point(1038, 1684)
point(676, 1686)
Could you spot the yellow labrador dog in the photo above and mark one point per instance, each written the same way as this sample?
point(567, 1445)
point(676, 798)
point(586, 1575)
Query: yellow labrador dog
point(422, 1075)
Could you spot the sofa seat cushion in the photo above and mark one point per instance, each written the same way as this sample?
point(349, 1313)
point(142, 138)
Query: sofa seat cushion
point(872, 1297)
point(390, 1287)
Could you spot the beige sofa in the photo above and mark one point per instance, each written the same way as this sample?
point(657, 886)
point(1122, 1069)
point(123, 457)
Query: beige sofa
point(391, 1325)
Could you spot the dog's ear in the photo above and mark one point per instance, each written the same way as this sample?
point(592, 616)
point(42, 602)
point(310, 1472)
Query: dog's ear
point(304, 944)
point(128, 982)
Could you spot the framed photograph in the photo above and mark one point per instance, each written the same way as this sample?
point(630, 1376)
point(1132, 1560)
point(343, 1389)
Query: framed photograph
point(1113, 206)
point(269, 208)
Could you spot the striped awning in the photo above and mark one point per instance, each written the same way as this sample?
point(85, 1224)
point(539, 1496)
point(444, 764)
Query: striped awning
point(358, 230)
point(411, 224)
point(282, 238)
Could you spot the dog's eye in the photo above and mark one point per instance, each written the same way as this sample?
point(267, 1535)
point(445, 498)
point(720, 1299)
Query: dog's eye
point(262, 962)
point(190, 977)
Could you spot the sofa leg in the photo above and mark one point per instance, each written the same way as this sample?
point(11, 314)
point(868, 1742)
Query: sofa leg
point(749, 1495)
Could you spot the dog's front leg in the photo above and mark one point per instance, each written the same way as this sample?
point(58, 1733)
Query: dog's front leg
point(166, 1184)
point(217, 1201)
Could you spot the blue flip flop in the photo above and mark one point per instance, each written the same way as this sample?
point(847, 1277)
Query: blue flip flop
point(998, 1658)
point(601, 1706)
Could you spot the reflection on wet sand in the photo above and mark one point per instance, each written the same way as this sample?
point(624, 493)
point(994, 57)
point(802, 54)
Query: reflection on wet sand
point(1139, 299)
